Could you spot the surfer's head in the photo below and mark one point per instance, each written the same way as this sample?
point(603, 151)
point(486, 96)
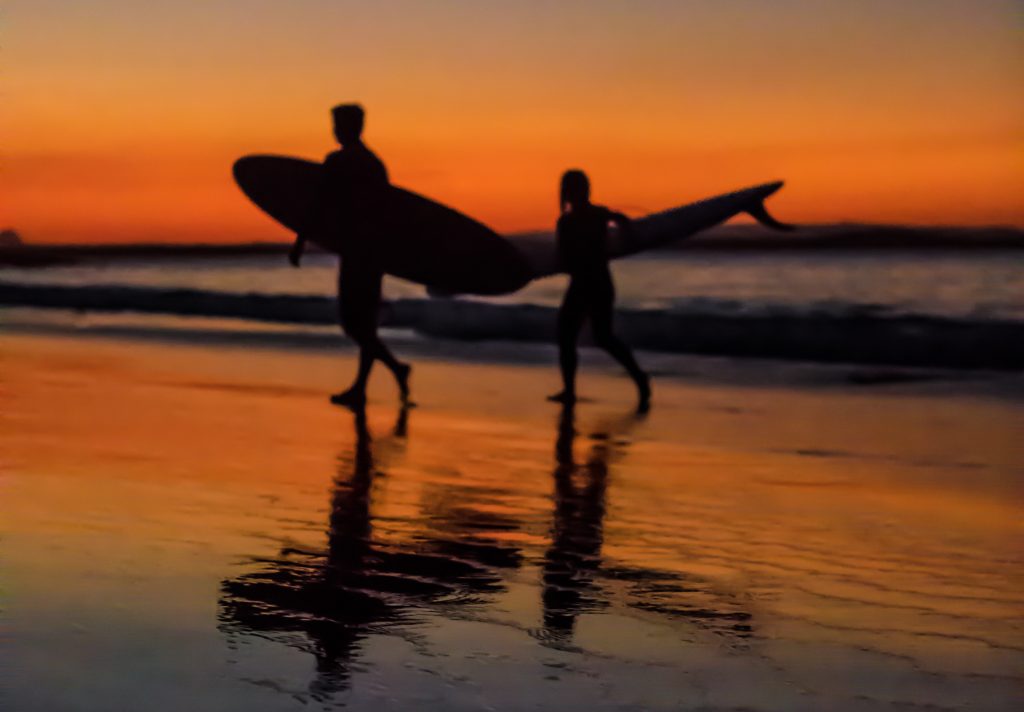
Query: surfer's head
point(575, 190)
point(348, 122)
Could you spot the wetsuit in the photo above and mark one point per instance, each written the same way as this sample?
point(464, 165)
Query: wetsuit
point(583, 251)
point(352, 198)
point(355, 177)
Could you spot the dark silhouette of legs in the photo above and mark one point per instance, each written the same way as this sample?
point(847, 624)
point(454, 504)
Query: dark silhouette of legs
point(571, 569)
point(596, 301)
point(359, 293)
point(605, 338)
point(371, 349)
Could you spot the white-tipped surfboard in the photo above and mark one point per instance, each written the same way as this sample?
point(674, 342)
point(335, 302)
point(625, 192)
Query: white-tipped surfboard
point(659, 229)
point(423, 241)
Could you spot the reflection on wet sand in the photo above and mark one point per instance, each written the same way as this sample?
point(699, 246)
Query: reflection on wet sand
point(810, 550)
point(573, 567)
point(363, 584)
point(357, 585)
point(577, 531)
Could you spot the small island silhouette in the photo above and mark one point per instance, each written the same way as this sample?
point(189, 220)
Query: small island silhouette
point(10, 238)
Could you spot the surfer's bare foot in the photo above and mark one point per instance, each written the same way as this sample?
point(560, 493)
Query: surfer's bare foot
point(564, 397)
point(644, 387)
point(352, 398)
point(402, 424)
point(402, 373)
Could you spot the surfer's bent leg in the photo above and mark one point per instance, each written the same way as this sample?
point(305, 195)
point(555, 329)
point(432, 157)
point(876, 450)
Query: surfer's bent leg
point(348, 316)
point(570, 321)
point(359, 294)
point(602, 306)
point(372, 341)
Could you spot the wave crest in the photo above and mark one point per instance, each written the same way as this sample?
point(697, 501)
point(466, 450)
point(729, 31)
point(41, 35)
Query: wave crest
point(837, 334)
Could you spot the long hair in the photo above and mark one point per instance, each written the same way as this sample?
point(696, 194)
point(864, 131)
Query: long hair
point(575, 188)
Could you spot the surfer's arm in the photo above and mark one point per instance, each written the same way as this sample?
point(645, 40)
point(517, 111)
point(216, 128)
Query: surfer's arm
point(319, 214)
point(621, 221)
point(624, 228)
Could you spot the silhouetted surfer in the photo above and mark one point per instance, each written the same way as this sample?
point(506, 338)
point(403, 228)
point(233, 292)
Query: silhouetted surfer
point(351, 197)
point(583, 251)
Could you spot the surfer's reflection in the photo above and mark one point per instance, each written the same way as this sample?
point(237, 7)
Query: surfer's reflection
point(359, 585)
point(574, 568)
point(347, 608)
point(377, 575)
point(574, 558)
point(325, 595)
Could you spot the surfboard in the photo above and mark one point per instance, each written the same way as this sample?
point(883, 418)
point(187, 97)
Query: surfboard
point(450, 253)
point(413, 237)
point(658, 229)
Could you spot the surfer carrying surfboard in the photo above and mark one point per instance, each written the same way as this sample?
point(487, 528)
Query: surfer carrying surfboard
point(350, 198)
point(582, 236)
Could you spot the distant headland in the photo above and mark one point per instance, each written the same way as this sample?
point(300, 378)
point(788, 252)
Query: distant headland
point(15, 252)
point(10, 238)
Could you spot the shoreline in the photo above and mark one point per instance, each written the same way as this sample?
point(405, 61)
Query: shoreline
point(686, 368)
point(856, 334)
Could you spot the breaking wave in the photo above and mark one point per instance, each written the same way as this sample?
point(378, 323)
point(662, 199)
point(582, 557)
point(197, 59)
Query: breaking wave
point(834, 332)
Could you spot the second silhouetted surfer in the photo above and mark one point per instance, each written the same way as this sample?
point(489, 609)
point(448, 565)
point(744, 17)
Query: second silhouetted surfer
point(583, 251)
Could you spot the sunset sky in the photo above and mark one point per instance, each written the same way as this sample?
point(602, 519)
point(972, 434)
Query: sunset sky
point(121, 118)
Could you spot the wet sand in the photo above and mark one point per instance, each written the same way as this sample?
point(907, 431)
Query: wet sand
point(192, 526)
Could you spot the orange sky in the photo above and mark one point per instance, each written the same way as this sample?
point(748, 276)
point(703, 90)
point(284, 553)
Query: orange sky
point(121, 120)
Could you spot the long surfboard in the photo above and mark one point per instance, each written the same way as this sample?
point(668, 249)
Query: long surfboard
point(414, 238)
point(423, 241)
point(658, 229)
